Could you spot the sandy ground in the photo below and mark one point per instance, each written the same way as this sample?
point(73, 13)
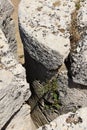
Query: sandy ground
point(19, 43)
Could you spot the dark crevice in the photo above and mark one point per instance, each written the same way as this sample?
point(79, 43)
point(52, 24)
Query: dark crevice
point(36, 71)
point(44, 113)
point(68, 62)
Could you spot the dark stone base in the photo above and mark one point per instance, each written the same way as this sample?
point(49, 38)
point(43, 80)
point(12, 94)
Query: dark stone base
point(36, 71)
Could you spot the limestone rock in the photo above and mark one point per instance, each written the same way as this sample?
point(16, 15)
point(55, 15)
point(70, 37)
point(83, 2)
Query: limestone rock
point(79, 63)
point(70, 121)
point(78, 59)
point(6, 9)
point(7, 23)
point(22, 120)
point(44, 31)
point(71, 95)
point(82, 14)
point(14, 89)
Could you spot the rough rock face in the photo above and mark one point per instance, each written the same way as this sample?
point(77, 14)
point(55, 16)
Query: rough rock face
point(70, 121)
point(14, 90)
point(44, 31)
point(78, 59)
point(45, 28)
point(7, 23)
point(68, 97)
point(72, 95)
point(22, 120)
point(79, 62)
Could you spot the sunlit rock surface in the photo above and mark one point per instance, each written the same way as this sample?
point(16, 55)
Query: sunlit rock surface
point(14, 89)
point(44, 29)
point(7, 24)
point(22, 120)
point(70, 121)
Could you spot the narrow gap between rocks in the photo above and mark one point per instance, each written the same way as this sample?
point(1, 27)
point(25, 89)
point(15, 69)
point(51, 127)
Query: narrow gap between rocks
point(46, 110)
point(19, 42)
point(75, 37)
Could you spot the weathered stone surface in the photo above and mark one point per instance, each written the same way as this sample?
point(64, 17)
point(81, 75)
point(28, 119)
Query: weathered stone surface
point(44, 31)
point(70, 121)
point(79, 62)
point(78, 59)
point(14, 90)
point(6, 9)
point(7, 23)
point(82, 14)
point(71, 95)
point(22, 120)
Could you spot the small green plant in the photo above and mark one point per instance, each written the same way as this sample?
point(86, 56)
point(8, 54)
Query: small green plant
point(49, 86)
point(51, 95)
point(48, 96)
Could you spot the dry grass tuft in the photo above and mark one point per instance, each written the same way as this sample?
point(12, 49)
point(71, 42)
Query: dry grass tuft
point(75, 35)
point(57, 3)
